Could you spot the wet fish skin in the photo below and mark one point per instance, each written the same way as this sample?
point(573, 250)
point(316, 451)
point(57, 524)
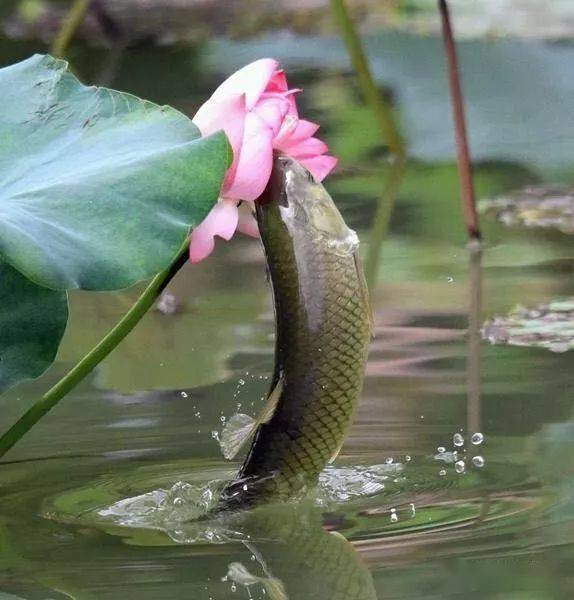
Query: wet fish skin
point(308, 560)
point(323, 331)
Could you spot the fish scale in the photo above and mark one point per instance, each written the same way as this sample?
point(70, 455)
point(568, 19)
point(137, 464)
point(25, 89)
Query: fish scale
point(323, 333)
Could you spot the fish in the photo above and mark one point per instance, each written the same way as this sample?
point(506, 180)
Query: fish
point(299, 555)
point(323, 331)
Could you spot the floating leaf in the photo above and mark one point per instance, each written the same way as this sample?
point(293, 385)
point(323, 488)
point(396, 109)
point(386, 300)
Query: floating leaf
point(548, 326)
point(99, 188)
point(542, 206)
point(32, 323)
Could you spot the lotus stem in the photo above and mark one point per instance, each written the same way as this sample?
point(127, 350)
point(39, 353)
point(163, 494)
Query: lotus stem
point(69, 27)
point(381, 107)
point(387, 123)
point(382, 219)
point(474, 340)
point(96, 355)
point(462, 146)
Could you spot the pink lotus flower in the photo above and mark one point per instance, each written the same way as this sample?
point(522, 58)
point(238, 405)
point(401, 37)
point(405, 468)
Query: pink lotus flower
point(258, 113)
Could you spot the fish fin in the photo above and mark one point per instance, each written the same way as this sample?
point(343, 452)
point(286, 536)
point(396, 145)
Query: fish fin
point(274, 588)
point(241, 427)
point(364, 289)
point(272, 400)
point(235, 433)
point(337, 451)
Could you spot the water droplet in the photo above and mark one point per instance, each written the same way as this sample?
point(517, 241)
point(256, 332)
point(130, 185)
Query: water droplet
point(422, 416)
point(407, 458)
point(215, 435)
point(442, 472)
point(184, 395)
point(222, 418)
point(241, 382)
point(389, 460)
point(233, 587)
point(450, 279)
point(413, 509)
point(441, 449)
point(478, 462)
point(477, 438)
point(457, 440)
point(459, 466)
point(244, 487)
point(394, 516)
point(177, 501)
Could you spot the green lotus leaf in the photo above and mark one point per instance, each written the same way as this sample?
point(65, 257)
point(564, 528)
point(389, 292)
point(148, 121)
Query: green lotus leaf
point(98, 188)
point(32, 323)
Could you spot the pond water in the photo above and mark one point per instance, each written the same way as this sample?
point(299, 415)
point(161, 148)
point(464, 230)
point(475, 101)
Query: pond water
point(457, 477)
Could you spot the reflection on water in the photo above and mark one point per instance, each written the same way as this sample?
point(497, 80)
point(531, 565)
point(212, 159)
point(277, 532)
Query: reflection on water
point(99, 500)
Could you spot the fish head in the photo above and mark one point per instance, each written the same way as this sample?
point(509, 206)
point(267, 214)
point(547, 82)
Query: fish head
point(305, 203)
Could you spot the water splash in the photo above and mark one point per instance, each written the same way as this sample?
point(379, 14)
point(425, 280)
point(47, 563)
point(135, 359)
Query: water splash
point(477, 438)
point(458, 440)
point(460, 466)
point(342, 484)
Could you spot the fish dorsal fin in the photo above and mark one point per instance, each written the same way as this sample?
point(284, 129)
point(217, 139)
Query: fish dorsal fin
point(240, 427)
point(364, 289)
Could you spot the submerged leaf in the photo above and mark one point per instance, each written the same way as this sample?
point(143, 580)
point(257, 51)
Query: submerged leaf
point(32, 323)
point(548, 326)
point(543, 206)
point(99, 188)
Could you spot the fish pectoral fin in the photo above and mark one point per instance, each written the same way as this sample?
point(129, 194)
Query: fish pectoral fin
point(235, 433)
point(240, 427)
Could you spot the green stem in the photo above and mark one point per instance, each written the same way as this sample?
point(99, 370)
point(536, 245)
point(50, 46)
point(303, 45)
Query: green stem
point(95, 356)
point(381, 107)
point(380, 226)
point(69, 26)
point(388, 126)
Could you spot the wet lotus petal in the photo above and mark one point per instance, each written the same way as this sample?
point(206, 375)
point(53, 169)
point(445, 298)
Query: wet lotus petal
point(550, 207)
point(549, 326)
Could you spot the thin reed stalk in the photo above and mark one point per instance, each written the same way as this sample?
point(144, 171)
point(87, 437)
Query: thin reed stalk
point(389, 128)
point(69, 27)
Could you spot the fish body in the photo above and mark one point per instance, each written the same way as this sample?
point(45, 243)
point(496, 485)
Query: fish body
point(323, 331)
point(299, 558)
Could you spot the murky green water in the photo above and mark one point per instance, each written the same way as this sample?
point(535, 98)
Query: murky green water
point(94, 503)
